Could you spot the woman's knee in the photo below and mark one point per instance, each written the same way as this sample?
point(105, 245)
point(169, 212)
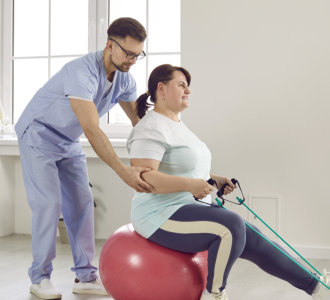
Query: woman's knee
point(238, 232)
point(237, 226)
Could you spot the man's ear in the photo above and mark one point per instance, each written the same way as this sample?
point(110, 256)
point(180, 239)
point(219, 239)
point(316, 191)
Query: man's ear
point(109, 46)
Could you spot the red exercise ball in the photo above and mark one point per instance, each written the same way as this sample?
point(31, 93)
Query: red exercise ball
point(133, 268)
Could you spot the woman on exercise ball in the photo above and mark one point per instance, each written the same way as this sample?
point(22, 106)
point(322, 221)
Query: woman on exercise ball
point(180, 165)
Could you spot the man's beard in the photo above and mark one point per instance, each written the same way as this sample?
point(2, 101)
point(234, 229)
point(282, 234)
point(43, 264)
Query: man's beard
point(121, 67)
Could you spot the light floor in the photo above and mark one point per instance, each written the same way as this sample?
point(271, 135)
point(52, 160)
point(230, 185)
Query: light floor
point(246, 281)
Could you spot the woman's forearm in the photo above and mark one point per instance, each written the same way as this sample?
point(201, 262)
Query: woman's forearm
point(164, 184)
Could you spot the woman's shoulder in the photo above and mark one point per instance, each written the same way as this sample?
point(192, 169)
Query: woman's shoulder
point(151, 121)
point(149, 127)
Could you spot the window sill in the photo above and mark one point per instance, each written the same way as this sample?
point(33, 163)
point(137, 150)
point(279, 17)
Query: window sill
point(9, 146)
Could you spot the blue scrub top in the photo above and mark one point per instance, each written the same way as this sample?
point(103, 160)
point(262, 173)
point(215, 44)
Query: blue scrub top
point(49, 118)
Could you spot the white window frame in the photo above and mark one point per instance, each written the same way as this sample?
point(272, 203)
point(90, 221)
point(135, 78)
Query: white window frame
point(97, 36)
point(6, 77)
point(6, 51)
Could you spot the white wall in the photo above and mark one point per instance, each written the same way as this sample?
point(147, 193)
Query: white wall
point(261, 102)
point(7, 181)
point(0, 47)
point(6, 174)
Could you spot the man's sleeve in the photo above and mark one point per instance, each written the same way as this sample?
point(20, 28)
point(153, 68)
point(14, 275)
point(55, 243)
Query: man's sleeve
point(80, 82)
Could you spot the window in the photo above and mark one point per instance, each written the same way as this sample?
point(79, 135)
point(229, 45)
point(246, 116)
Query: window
point(163, 41)
point(53, 32)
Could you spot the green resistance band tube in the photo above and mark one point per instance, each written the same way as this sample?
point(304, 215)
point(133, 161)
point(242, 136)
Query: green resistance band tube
point(270, 242)
point(286, 243)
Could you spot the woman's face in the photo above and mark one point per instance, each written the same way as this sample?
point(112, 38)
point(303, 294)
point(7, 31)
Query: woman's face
point(176, 93)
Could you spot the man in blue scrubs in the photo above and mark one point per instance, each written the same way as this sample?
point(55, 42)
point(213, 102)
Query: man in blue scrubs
point(53, 164)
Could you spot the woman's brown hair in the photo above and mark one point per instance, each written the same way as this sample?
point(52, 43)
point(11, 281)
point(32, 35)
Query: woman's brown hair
point(162, 73)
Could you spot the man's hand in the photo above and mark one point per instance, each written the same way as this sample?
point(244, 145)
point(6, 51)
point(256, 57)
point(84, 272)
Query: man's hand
point(132, 176)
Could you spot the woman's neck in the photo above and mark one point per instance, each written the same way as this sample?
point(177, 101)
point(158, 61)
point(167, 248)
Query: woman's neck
point(167, 113)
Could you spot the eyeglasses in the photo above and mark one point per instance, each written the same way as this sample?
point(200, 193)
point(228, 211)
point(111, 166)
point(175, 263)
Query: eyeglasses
point(128, 54)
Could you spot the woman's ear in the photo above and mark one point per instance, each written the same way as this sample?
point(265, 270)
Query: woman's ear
point(161, 87)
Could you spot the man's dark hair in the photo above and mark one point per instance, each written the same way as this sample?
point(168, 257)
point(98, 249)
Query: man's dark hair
point(124, 27)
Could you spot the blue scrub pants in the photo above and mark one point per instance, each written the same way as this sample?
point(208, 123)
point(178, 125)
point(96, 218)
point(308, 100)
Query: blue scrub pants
point(58, 182)
point(195, 228)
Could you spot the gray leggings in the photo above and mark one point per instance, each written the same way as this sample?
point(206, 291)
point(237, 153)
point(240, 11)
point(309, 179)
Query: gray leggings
point(196, 228)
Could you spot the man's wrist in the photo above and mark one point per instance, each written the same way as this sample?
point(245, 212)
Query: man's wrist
point(118, 166)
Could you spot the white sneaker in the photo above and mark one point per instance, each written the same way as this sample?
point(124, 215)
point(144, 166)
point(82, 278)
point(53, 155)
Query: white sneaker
point(92, 288)
point(323, 293)
point(45, 290)
point(220, 296)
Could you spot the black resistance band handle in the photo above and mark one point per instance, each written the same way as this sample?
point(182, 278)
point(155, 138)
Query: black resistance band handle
point(210, 182)
point(222, 190)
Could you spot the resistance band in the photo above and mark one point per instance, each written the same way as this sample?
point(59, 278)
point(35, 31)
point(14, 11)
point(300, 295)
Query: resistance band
point(220, 204)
